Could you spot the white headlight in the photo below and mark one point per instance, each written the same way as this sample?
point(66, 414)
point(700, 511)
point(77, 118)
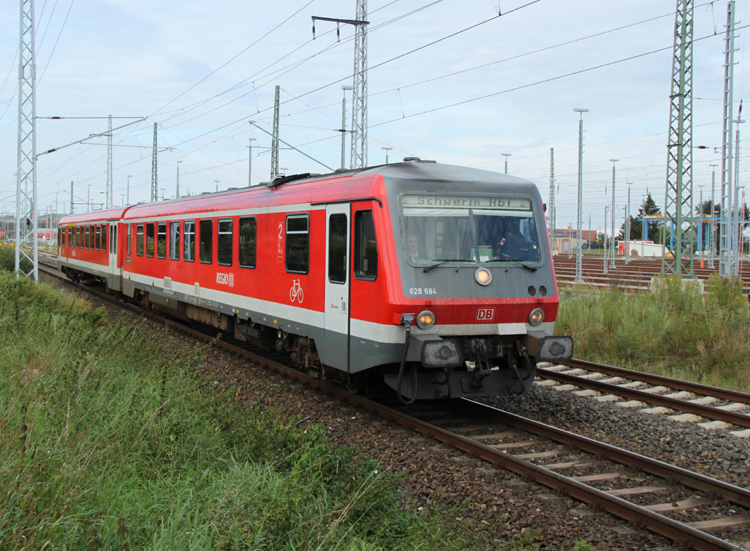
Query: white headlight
point(483, 276)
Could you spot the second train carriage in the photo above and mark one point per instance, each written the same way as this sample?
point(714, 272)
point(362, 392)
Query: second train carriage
point(434, 277)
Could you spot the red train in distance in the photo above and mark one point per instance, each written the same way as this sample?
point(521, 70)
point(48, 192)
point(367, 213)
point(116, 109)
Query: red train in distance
point(435, 278)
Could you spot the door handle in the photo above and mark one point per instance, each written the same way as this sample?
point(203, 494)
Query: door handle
point(343, 306)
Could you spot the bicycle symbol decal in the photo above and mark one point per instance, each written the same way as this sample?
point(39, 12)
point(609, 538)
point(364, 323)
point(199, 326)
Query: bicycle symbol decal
point(296, 292)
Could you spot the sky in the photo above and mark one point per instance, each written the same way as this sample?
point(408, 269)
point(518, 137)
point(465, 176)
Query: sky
point(453, 81)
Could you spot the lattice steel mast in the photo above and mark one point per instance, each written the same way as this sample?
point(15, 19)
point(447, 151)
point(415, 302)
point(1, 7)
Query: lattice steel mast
point(275, 136)
point(154, 171)
point(551, 207)
point(358, 158)
point(26, 205)
point(109, 199)
point(725, 232)
point(678, 202)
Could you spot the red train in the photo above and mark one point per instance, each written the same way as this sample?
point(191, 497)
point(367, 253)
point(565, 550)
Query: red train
point(435, 278)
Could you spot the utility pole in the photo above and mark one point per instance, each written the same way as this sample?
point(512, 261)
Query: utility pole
point(72, 208)
point(127, 199)
point(154, 168)
point(177, 190)
point(725, 238)
point(551, 206)
point(589, 237)
point(606, 210)
point(736, 209)
point(109, 198)
point(627, 227)
point(712, 227)
point(217, 185)
point(26, 204)
point(613, 211)
point(386, 149)
point(579, 260)
point(250, 162)
point(506, 155)
point(275, 136)
point(344, 88)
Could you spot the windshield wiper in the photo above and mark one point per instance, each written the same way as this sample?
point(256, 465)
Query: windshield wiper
point(440, 262)
point(519, 263)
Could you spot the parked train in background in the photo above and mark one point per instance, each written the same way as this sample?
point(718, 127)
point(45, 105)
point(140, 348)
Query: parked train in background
point(436, 279)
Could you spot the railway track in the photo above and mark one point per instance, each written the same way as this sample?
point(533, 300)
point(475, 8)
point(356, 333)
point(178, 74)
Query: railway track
point(663, 498)
point(681, 400)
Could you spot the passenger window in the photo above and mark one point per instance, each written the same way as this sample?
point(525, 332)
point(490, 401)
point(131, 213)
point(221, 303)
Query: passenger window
point(297, 244)
point(206, 241)
point(104, 237)
point(113, 240)
point(337, 230)
point(247, 242)
point(129, 237)
point(190, 241)
point(139, 240)
point(365, 247)
point(224, 251)
point(150, 239)
point(88, 238)
point(174, 240)
point(161, 240)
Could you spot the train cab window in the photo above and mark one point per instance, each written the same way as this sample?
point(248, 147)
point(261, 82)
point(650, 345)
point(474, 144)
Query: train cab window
point(297, 243)
point(206, 241)
point(189, 241)
point(365, 246)
point(104, 237)
point(247, 242)
point(337, 232)
point(468, 229)
point(174, 240)
point(224, 249)
point(150, 239)
point(128, 238)
point(161, 240)
point(139, 240)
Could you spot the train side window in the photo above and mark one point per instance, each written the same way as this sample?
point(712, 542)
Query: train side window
point(113, 240)
point(104, 237)
point(139, 240)
point(206, 241)
point(98, 237)
point(224, 249)
point(150, 239)
point(248, 230)
point(365, 246)
point(297, 243)
point(89, 241)
point(174, 240)
point(189, 240)
point(161, 240)
point(337, 230)
point(129, 237)
point(76, 237)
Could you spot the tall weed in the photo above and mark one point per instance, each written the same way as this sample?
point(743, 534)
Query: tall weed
point(674, 330)
point(108, 441)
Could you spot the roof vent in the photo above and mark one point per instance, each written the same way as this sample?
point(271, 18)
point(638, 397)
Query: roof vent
point(411, 159)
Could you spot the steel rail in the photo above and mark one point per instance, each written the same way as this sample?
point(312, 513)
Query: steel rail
point(697, 388)
point(707, 411)
point(655, 522)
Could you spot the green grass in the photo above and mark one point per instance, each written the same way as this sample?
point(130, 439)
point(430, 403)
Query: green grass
point(674, 331)
point(109, 441)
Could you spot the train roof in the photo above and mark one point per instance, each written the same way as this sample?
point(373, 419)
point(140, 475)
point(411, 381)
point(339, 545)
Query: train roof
point(312, 188)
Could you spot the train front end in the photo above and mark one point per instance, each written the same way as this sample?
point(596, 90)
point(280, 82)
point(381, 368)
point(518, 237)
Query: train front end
point(476, 295)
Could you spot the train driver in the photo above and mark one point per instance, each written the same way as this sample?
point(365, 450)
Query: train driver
point(412, 247)
point(512, 245)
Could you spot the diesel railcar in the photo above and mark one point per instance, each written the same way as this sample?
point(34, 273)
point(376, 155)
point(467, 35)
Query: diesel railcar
point(435, 279)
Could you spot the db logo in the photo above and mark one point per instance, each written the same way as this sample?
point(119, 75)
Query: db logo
point(485, 314)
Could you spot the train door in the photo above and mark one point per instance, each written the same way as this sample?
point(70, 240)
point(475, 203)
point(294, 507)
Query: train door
point(337, 283)
point(113, 281)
